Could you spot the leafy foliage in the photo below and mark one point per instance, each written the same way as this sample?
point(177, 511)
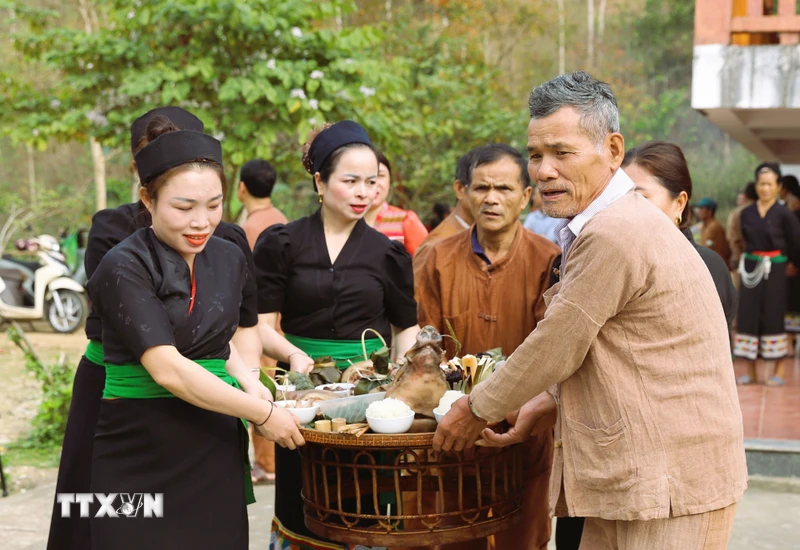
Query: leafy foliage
point(56, 379)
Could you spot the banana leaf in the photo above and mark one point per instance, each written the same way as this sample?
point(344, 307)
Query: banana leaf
point(268, 382)
point(325, 375)
point(300, 381)
point(380, 360)
point(366, 385)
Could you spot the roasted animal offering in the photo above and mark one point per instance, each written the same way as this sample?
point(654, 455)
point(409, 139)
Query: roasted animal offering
point(420, 382)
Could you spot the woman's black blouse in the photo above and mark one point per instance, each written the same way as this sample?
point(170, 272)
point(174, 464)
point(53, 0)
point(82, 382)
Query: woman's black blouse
point(142, 290)
point(113, 225)
point(778, 230)
point(721, 276)
point(370, 285)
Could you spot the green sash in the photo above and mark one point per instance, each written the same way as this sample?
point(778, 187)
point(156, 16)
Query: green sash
point(344, 352)
point(781, 259)
point(134, 382)
point(94, 353)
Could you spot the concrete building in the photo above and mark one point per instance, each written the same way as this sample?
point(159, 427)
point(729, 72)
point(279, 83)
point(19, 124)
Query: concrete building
point(746, 73)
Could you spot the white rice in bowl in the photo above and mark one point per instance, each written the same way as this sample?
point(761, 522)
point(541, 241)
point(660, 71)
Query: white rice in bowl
point(388, 408)
point(447, 400)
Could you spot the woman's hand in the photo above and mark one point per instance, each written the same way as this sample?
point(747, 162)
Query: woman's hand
point(258, 390)
point(300, 362)
point(282, 428)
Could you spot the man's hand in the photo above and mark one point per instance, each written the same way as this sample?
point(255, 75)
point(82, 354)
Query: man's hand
point(300, 362)
point(458, 429)
point(791, 270)
point(536, 416)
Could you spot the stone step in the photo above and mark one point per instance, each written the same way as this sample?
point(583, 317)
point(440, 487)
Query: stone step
point(773, 458)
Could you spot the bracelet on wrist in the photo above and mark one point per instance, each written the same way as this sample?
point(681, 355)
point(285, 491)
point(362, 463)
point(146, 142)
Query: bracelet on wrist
point(272, 408)
point(288, 357)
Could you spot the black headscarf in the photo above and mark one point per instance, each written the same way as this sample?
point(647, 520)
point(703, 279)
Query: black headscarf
point(173, 149)
point(340, 134)
point(181, 118)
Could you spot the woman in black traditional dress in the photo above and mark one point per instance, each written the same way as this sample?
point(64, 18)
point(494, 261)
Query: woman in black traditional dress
point(331, 276)
point(110, 227)
point(772, 237)
point(170, 299)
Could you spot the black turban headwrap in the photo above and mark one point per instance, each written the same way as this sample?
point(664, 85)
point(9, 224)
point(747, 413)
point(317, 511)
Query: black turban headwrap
point(340, 134)
point(181, 118)
point(173, 149)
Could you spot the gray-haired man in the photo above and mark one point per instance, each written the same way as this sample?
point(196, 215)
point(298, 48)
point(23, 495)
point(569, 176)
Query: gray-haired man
point(633, 350)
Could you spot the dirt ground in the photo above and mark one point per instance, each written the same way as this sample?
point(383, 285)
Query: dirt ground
point(20, 393)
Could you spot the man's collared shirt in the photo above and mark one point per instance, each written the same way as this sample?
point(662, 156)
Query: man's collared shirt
point(569, 229)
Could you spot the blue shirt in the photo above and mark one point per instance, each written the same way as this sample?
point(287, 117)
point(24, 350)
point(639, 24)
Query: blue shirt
point(542, 224)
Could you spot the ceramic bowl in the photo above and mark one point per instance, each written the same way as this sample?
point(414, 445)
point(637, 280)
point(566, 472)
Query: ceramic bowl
point(305, 414)
point(438, 414)
point(391, 425)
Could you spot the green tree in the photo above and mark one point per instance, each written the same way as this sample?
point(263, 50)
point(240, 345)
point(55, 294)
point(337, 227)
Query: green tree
point(257, 72)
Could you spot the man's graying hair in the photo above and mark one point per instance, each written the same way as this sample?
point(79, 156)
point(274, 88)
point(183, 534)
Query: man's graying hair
point(593, 99)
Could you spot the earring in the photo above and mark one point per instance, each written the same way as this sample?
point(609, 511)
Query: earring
point(320, 199)
point(678, 221)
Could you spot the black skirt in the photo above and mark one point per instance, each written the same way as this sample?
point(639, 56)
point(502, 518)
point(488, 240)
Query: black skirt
point(192, 456)
point(760, 322)
point(75, 469)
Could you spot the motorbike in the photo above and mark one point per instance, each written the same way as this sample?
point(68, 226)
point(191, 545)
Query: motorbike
point(31, 291)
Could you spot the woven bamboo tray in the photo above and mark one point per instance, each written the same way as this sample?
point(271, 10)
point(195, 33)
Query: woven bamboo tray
point(369, 440)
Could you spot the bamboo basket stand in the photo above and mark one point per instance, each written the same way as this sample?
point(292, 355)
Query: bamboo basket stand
point(376, 490)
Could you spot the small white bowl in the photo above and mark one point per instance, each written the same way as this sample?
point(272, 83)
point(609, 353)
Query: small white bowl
point(305, 414)
point(343, 393)
point(391, 425)
point(438, 414)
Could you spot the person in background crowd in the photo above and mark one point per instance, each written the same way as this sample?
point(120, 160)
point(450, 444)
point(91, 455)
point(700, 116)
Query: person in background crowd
point(488, 284)
point(712, 235)
point(331, 276)
point(632, 345)
point(403, 226)
point(256, 181)
point(661, 175)
point(734, 233)
point(458, 220)
point(539, 222)
point(792, 187)
point(772, 238)
point(440, 212)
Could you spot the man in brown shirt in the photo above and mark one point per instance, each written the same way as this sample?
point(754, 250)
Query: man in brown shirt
point(487, 284)
point(633, 350)
point(458, 220)
point(713, 234)
point(256, 180)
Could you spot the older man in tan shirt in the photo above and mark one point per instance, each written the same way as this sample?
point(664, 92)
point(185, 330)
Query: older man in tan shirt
point(633, 350)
